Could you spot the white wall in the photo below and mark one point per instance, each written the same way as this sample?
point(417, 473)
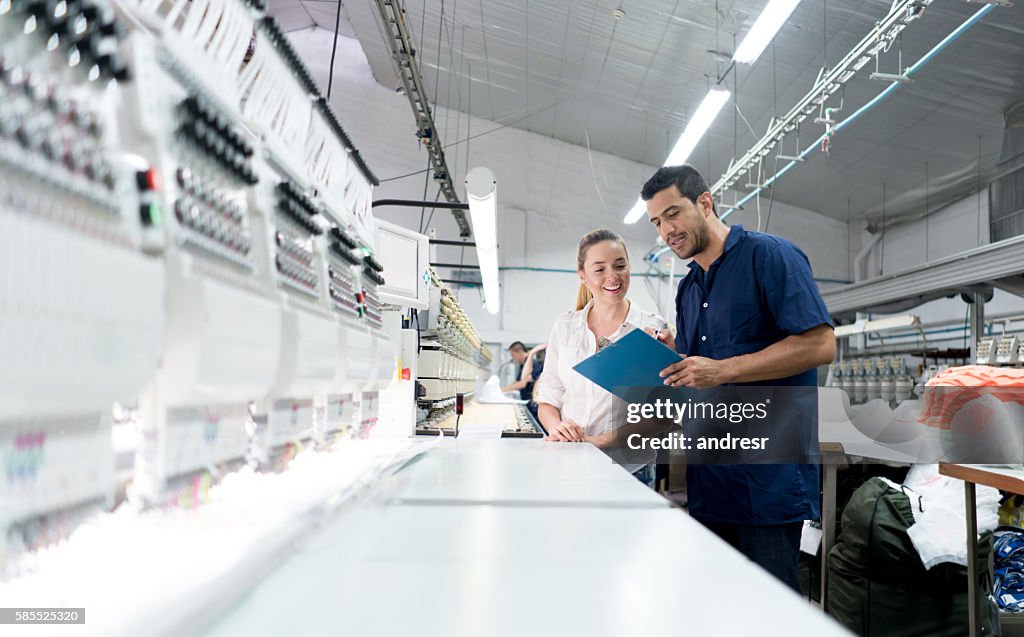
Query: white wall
point(959, 226)
point(823, 239)
point(549, 192)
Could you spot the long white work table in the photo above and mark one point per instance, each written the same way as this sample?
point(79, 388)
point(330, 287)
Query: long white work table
point(518, 537)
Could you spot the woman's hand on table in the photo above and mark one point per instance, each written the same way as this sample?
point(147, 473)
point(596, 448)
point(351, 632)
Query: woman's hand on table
point(566, 431)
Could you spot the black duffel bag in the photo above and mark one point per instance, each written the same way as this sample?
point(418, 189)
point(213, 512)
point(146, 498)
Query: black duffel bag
point(877, 583)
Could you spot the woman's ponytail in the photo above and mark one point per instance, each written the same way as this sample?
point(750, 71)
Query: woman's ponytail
point(583, 297)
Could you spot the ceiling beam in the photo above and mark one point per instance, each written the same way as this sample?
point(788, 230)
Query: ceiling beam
point(403, 56)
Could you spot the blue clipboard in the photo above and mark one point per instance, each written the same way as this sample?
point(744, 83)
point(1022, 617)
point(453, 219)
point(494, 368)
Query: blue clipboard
point(632, 361)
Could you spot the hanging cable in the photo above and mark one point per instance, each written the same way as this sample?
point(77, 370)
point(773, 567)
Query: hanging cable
point(735, 112)
point(824, 34)
point(426, 185)
point(977, 241)
point(441, 29)
point(437, 197)
point(334, 51)
point(848, 233)
point(775, 111)
point(881, 258)
point(437, 59)
point(771, 199)
point(423, 20)
point(415, 172)
point(708, 146)
point(927, 222)
point(526, 115)
point(775, 89)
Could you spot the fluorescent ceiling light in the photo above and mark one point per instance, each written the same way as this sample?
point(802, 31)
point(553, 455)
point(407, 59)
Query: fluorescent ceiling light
point(697, 126)
point(772, 17)
point(695, 129)
point(481, 193)
point(637, 211)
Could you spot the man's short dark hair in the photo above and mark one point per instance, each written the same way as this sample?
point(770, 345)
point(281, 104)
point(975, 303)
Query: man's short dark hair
point(517, 344)
point(686, 178)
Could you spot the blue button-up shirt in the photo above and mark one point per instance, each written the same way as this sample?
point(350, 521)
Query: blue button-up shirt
point(526, 393)
point(758, 292)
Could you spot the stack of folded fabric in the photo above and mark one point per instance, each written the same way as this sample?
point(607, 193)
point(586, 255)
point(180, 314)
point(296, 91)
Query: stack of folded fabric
point(1009, 569)
point(951, 389)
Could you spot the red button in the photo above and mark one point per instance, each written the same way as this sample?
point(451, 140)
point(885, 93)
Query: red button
point(406, 373)
point(148, 179)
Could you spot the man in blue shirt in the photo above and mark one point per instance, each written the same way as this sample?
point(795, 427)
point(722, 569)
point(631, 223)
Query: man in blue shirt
point(748, 312)
point(529, 366)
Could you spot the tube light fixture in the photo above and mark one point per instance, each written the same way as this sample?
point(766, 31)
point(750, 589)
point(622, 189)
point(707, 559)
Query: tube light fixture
point(772, 17)
point(695, 129)
point(697, 126)
point(637, 211)
point(481, 194)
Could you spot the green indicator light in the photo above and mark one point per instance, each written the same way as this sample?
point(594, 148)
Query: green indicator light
point(150, 214)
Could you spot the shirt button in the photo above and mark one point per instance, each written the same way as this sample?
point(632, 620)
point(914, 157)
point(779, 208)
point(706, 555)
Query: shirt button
point(703, 338)
point(705, 305)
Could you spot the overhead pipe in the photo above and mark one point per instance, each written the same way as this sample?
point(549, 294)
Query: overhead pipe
point(892, 88)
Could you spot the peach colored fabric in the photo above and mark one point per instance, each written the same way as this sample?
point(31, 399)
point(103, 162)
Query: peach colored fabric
point(951, 389)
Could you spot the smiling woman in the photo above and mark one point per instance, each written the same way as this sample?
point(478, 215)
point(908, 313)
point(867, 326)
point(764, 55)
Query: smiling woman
point(603, 264)
point(572, 408)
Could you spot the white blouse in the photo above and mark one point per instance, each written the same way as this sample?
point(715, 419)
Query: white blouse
point(577, 398)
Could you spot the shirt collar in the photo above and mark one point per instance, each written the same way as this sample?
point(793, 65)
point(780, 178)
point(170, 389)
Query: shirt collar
point(634, 317)
point(736, 233)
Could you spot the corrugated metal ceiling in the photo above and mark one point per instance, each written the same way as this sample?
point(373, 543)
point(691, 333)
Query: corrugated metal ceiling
point(571, 71)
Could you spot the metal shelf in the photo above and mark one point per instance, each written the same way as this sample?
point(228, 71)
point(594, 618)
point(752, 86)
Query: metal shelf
point(998, 264)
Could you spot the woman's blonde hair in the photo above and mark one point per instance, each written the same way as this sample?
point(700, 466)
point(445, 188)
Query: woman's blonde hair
point(583, 295)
